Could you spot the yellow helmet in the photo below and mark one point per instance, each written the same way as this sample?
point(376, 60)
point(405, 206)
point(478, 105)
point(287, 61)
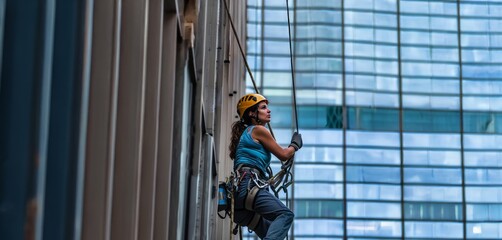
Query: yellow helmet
point(248, 101)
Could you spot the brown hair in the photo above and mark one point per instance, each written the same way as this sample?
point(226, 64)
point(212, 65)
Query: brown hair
point(237, 128)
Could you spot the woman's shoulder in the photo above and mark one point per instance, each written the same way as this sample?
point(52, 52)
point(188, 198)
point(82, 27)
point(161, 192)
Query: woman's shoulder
point(259, 129)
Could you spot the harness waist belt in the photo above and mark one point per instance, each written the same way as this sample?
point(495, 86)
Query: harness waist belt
point(250, 169)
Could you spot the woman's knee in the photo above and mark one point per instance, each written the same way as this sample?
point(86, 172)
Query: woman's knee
point(289, 215)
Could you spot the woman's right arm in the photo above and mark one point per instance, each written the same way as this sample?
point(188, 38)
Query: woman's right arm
point(264, 136)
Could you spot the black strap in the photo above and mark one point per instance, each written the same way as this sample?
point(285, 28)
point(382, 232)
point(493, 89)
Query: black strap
point(254, 221)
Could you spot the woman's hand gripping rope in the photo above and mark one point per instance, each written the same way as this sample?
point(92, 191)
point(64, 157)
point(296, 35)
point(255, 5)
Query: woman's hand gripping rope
point(281, 181)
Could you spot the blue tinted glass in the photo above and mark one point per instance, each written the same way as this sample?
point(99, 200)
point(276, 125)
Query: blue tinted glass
point(483, 141)
point(318, 3)
point(385, 5)
point(373, 139)
point(319, 154)
point(373, 174)
point(359, 18)
point(373, 210)
point(359, 33)
point(473, 9)
point(274, 31)
point(385, 35)
point(442, 39)
point(318, 227)
point(318, 209)
point(325, 173)
point(483, 176)
point(351, 93)
point(483, 159)
point(484, 230)
point(444, 23)
point(433, 211)
point(433, 193)
point(361, 4)
point(482, 122)
point(431, 102)
point(386, 20)
point(430, 85)
point(485, 87)
point(314, 117)
point(411, 37)
point(483, 103)
point(373, 192)
point(431, 158)
point(311, 191)
point(431, 140)
point(484, 212)
point(373, 156)
point(434, 230)
point(432, 175)
point(379, 119)
point(374, 228)
point(491, 194)
point(414, 6)
point(431, 121)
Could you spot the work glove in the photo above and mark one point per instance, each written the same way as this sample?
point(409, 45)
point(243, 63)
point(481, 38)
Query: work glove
point(296, 141)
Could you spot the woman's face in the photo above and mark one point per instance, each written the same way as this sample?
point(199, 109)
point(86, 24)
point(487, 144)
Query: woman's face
point(264, 112)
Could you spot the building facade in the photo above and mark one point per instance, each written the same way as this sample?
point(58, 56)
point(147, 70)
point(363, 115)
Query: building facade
point(115, 117)
point(400, 108)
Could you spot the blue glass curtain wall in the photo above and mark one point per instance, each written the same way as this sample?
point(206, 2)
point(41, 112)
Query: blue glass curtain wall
point(400, 110)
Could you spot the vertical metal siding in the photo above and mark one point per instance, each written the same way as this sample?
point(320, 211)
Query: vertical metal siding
point(109, 118)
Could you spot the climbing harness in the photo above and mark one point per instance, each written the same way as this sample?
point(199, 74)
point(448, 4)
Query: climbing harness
point(284, 177)
point(227, 190)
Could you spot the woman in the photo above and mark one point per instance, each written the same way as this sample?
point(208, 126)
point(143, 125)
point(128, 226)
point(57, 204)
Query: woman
point(250, 148)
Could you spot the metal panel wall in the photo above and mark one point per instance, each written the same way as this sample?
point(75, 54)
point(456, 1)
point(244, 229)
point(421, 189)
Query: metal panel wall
point(25, 109)
point(41, 93)
point(151, 121)
point(166, 119)
point(130, 117)
point(108, 112)
point(100, 144)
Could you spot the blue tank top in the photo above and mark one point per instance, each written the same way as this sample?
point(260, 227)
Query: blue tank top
point(251, 153)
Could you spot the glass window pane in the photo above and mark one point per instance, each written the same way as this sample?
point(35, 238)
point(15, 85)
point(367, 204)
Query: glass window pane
point(376, 139)
point(484, 230)
point(433, 211)
point(478, 141)
point(432, 158)
point(373, 192)
point(373, 210)
point(434, 230)
point(484, 212)
point(311, 191)
point(380, 119)
point(483, 194)
point(373, 174)
point(325, 173)
point(482, 159)
point(373, 156)
point(320, 137)
point(431, 121)
point(483, 176)
point(482, 122)
point(433, 193)
point(374, 228)
point(318, 209)
point(431, 141)
point(432, 175)
point(318, 227)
